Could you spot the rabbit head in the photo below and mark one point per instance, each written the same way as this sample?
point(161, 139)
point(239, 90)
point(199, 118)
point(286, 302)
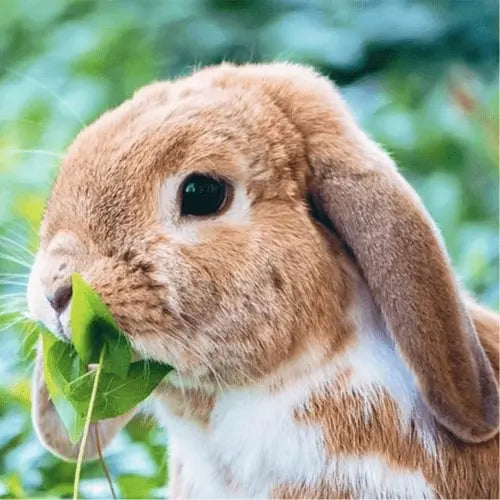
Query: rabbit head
point(217, 215)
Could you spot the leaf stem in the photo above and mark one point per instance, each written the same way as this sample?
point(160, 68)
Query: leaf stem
point(103, 462)
point(85, 435)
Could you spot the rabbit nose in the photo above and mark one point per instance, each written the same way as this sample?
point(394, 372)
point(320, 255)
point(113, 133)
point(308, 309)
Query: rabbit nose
point(60, 300)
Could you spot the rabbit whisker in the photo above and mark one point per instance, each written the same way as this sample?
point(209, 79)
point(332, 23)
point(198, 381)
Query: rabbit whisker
point(10, 258)
point(33, 151)
point(5, 239)
point(10, 325)
point(13, 283)
point(44, 87)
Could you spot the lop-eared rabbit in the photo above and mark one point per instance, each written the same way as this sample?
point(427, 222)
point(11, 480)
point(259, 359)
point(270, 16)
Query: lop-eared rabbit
point(242, 228)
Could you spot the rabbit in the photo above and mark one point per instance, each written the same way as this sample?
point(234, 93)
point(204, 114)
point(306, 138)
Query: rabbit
point(242, 228)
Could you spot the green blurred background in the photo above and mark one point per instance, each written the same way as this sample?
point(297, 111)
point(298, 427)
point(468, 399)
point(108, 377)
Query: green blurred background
point(421, 76)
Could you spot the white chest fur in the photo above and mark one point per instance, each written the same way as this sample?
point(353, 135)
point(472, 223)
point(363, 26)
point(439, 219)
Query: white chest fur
point(255, 443)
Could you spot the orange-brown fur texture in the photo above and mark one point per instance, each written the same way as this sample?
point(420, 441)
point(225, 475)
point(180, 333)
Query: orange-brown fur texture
point(462, 472)
point(251, 292)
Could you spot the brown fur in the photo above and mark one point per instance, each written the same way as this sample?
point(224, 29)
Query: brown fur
point(461, 471)
point(306, 491)
point(194, 405)
point(252, 294)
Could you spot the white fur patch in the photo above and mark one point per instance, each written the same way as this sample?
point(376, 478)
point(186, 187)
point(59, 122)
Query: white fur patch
point(189, 445)
point(371, 477)
point(63, 243)
point(377, 366)
point(256, 440)
point(39, 308)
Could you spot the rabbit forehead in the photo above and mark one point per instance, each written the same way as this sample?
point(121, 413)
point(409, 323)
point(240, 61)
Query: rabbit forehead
point(117, 165)
point(175, 132)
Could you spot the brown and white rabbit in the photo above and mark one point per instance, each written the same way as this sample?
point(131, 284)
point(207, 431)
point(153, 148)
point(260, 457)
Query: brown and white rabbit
point(242, 228)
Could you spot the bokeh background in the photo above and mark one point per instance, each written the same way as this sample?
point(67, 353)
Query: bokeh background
point(421, 76)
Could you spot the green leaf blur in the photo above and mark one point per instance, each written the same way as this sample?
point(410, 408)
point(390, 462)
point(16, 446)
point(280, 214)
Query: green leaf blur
point(421, 77)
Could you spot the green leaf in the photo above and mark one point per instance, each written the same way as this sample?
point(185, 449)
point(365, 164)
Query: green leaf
point(94, 329)
point(96, 338)
point(117, 396)
point(55, 380)
point(117, 354)
point(90, 321)
point(64, 364)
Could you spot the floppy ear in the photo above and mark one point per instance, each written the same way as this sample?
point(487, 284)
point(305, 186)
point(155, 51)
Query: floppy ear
point(406, 266)
point(356, 186)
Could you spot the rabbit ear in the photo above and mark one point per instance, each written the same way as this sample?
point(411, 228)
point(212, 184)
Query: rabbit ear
point(356, 186)
point(405, 264)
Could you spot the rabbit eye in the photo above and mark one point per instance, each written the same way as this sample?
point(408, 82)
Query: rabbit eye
point(202, 195)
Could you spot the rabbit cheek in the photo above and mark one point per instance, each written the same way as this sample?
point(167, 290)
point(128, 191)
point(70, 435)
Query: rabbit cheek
point(125, 283)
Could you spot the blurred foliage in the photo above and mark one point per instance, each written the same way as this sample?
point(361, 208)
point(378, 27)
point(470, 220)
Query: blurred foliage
point(421, 76)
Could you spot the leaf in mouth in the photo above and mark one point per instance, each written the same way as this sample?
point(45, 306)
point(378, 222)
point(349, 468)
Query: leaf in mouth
point(56, 352)
point(114, 387)
point(96, 339)
point(117, 396)
point(93, 328)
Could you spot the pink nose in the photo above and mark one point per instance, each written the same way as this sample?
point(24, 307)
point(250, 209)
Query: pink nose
point(60, 300)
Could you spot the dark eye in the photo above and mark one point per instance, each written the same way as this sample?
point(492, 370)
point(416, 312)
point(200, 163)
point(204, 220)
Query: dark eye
point(202, 195)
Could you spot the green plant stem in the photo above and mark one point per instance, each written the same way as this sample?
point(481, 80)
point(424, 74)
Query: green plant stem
point(86, 428)
point(103, 462)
